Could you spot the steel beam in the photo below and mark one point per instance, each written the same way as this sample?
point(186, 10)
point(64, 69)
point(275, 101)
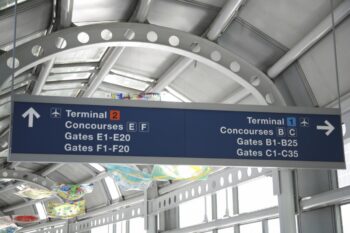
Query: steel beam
point(140, 15)
point(104, 71)
point(50, 169)
point(209, 53)
point(225, 16)
point(43, 75)
point(64, 13)
point(171, 74)
point(115, 53)
point(112, 207)
point(336, 196)
point(286, 204)
point(340, 13)
point(25, 204)
point(236, 97)
point(227, 13)
point(43, 225)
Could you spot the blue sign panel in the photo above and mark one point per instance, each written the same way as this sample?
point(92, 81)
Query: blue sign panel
point(88, 130)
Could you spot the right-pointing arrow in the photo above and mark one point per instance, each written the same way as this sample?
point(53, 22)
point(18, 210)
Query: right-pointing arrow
point(329, 127)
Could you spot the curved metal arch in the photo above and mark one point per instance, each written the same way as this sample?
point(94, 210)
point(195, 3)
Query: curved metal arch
point(30, 178)
point(27, 177)
point(144, 35)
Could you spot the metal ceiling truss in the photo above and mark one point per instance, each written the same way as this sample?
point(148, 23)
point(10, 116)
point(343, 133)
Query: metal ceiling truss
point(129, 209)
point(227, 178)
point(225, 16)
point(29, 178)
point(149, 36)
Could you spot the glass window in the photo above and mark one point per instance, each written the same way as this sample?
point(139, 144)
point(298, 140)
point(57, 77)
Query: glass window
point(103, 229)
point(345, 215)
point(256, 195)
point(137, 225)
point(4, 4)
point(251, 228)
point(121, 227)
point(274, 225)
point(344, 175)
point(81, 55)
point(226, 230)
point(126, 82)
point(193, 212)
point(224, 203)
point(166, 96)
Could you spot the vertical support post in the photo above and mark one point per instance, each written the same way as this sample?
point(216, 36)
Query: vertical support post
point(286, 201)
point(127, 226)
point(265, 226)
point(151, 224)
point(323, 220)
point(235, 206)
point(336, 210)
point(169, 220)
point(214, 207)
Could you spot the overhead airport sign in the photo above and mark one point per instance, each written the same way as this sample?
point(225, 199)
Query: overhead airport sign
point(50, 129)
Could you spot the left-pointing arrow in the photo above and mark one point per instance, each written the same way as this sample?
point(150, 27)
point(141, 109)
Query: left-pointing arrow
point(31, 113)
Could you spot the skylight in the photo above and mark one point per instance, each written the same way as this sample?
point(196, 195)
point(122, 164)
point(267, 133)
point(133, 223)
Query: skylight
point(98, 167)
point(178, 95)
point(112, 188)
point(4, 4)
point(41, 210)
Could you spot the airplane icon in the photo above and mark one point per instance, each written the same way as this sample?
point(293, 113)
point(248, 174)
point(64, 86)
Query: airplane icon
point(55, 113)
point(304, 122)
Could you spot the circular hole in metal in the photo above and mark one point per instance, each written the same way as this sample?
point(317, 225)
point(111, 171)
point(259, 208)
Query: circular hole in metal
point(175, 199)
point(235, 66)
point(169, 201)
point(10, 64)
point(199, 189)
point(230, 178)
point(129, 34)
point(4, 174)
point(60, 43)
point(195, 47)
point(83, 37)
point(152, 36)
point(37, 50)
point(255, 81)
point(174, 40)
point(249, 171)
point(106, 34)
point(164, 203)
point(222, 181)
point(239, 174)
point(269, 98)
point(215, 56)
